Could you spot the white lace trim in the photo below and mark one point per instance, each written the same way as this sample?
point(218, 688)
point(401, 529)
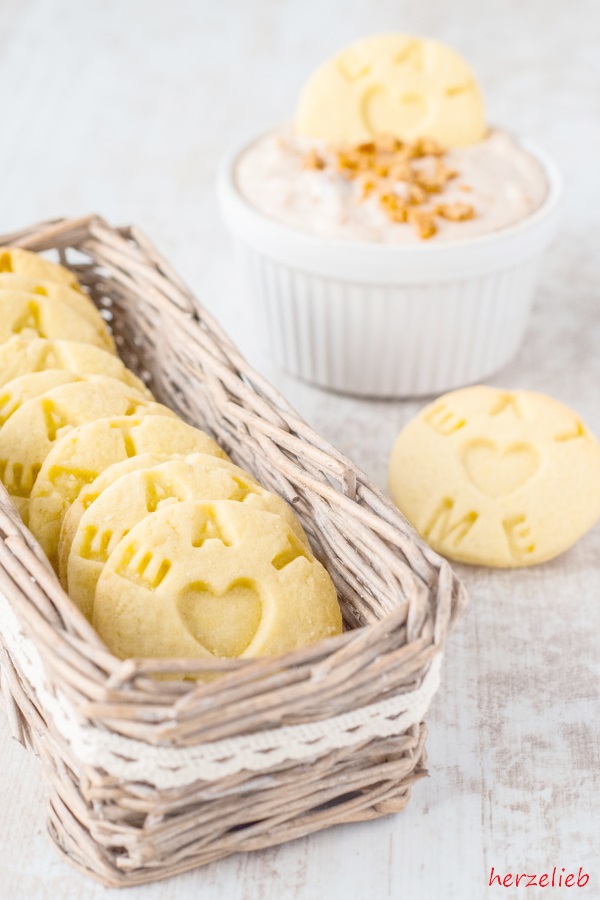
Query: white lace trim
point(171, 767)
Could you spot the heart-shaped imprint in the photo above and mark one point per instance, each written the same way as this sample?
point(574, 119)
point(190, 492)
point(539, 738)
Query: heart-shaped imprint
point(224, 623)
point(497, 472)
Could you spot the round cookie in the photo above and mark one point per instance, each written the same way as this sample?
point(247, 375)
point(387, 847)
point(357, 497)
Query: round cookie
point(24, 262)
point(30, 433)
point(132, 497)
point(89, 493)
point(32, 316)
point(20, 356)
point(393, 84)
point(76, 300)
point(213, 580)
point(83, 453)
point(18, 391)
point(497, 478)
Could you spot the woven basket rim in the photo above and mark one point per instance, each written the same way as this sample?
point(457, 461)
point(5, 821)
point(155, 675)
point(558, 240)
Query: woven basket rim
point(147, 777)
point(71, 632)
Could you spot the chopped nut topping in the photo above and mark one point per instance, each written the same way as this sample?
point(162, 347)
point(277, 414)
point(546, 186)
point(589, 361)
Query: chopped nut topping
point(443, 174)
point(368, 186)
point(400, 214)
point(428, 147)
point(427, 185)
point(416, 194)
point(401, 171)
point(435, 182)
point(313, 161)
point(387, 143)
point(367, 148)
point(402, 175)
point(423, 221)
point(455, 212)
point(394, 207)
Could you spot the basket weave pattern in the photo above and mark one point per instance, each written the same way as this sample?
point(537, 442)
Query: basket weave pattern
point(149, 777)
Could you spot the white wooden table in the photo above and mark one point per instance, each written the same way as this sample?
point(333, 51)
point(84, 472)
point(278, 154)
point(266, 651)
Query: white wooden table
point(124, 108)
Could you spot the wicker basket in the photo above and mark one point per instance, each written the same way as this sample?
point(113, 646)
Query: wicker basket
point(149, 777)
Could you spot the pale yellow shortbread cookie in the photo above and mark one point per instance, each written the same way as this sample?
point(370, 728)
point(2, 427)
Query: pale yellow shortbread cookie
point(395, 84)
point(138, 494)
point(18, 391)
point(91, 492)
point(32, 316)
point(81, 455)
point(30, 433)
point(497, 478)
point(24, 262)
point(205, 580)
point(77, 300)
point(19, 356)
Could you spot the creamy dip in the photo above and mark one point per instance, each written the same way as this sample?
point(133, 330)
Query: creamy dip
point(501, 180)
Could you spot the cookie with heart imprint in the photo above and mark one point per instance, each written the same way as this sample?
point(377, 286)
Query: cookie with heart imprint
point(25, 262)
point(21, 356)
point(34, 316)
point(200, 580)
point(77, 458)
point(497, 478)
point(395, 84)
point(137, 494)
point(33, 429)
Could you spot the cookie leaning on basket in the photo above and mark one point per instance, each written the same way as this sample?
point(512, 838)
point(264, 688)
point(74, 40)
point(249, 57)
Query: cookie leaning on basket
point(74, 421)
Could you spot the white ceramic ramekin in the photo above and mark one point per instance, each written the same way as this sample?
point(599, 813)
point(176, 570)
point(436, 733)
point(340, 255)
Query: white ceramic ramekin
point(390, 321)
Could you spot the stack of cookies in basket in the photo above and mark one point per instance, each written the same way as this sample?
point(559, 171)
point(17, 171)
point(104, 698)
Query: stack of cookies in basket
point(168, 548)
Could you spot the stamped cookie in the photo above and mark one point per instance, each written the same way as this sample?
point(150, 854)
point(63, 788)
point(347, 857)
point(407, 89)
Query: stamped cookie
point(20, 356)
point(76, 300)
point(213, 580)
point(18, 391)
point(81, 455)
point(497, 478)
point(31, 316)
point(394, 84)
point(133, 496)
point(24, 262)
point(30, 433)
point(91, 492)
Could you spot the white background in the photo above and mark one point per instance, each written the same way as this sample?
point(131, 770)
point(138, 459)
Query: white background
point(124, 108)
